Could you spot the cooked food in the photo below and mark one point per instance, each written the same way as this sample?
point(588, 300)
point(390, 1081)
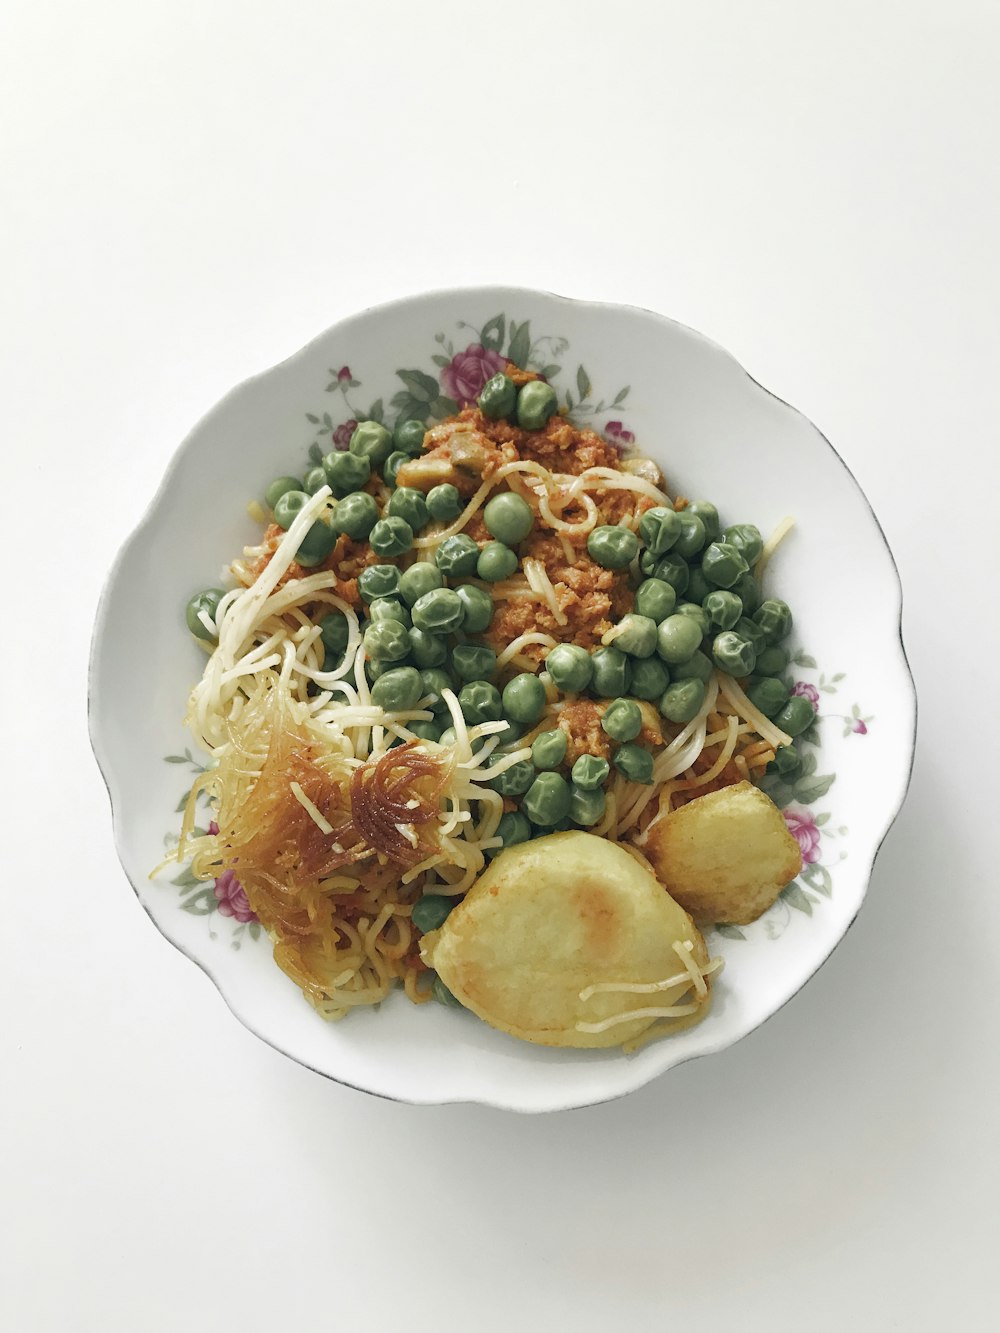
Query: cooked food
point(459, 637)
point(725, 856)
point(569, 941)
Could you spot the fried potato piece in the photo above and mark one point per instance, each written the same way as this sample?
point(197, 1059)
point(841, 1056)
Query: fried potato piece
point(556, 915)
point(725, 856)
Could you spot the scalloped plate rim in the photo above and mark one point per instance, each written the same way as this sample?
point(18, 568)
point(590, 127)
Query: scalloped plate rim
point(641, 1075)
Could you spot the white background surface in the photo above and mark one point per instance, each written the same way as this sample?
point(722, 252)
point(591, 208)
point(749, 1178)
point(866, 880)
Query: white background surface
point(194, 189)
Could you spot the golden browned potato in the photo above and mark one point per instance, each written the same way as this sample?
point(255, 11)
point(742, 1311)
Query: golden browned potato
point(725, 856)
point(566, 932)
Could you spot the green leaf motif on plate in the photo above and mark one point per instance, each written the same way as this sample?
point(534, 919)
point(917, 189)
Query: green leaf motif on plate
point(730, 932)
point(520, 344)
point(203, 903)
point(795, 896)
point(492, 333)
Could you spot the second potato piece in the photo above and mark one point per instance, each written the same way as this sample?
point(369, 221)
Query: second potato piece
point(726, 856)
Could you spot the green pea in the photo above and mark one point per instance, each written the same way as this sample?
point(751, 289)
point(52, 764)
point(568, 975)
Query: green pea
point(409, 504)
point(315, 479)
point(796, 715)
point(722, 608)
point(356, 514)
point(317, 544)
point(547, 800)
point(387, 608)
point(649, 678)
point(496, 562)
point(207, 602)
point(391, 466)
point(659, 529)
point(457, 556)
point(634, 762)
point(697, 614)
point(508, 518)
point(655, 599)
point(678, 638)
point(636, 635)
point(498, 397)
point(334, 631)
point(444, 502)
point(473, 661)
point(448, 737)
point(515, 780)
point(524, 698)
point(536, 402)
point(443, 995)
point(387, 641)
point(512, 829)
point(477, 606)
point(709, 516)
point(682, 700)
point(697, 667)
point(612, 547)
point(548, 749)
point(698, 586)
point(771, 662)
point(288, 507)
point(375, 668)
point(570, 667)
point(673, 570)
point(427, 650)
point(586, 807)
point(377, 581)
point(427, 731)
point(612, 672)
point(332, 660)
point(511, 735)
point(590, 772)
point(439, 611)
point(752, 632)
point(747, 540)
point(371, 440)
point(775, 620)
point(622, 720)
point(747, 589)
point(398, 690)
point(733, 654)
point(345, 472)
point(787, 763)
point(391, 536)
point(768, 694)
point(408, 437)
point(480, 702)
point(433, 683)
point(431, 911)
point(692, 535)
point(279, 487)
point(421, 577)
point(722, 564)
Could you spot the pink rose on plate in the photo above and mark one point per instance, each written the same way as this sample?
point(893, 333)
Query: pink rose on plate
point(616, 434)
point(806, 691)
point(861, 727)
point(802, 827)
point(464, 376)
point(344, 375)
point(232, 898)
point(342, 435)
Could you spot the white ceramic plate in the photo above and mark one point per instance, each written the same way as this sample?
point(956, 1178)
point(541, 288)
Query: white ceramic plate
point(717, 434)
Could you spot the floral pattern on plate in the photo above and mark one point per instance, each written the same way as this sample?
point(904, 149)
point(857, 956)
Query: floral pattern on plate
point(463, 362)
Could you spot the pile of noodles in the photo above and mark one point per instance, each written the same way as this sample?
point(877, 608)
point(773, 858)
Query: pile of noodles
point(334, 816)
